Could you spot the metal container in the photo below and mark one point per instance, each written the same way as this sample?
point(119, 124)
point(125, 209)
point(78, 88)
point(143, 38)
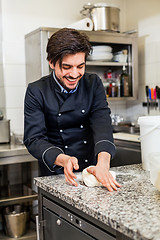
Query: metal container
point(104, 17)
point(4, 131)
point(15, 222)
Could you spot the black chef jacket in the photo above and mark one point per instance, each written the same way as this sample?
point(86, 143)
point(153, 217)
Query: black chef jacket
point(76, 124)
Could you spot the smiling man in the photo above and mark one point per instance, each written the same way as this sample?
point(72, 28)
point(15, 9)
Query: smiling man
point(67, 119)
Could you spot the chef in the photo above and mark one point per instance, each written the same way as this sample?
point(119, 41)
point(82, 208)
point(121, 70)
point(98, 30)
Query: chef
point(67, 124)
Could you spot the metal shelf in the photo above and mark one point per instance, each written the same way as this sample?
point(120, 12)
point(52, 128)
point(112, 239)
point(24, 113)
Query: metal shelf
point(13, 194)
point(30, 235)
point(103, 63)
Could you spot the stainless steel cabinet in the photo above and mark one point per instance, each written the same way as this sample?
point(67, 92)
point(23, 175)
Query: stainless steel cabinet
point(18, 190)
point(37, 65)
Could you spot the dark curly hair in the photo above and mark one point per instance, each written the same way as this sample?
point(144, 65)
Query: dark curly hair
point(67, 41)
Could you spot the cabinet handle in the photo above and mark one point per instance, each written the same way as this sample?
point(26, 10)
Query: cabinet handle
point(37, 227)
point(59, 222)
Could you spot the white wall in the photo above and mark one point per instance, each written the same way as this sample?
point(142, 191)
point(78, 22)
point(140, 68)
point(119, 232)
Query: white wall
point(20, 17)
point(2, 96)
point(144, 15)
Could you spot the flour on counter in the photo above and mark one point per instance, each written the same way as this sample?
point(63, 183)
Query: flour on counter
point(157, 183)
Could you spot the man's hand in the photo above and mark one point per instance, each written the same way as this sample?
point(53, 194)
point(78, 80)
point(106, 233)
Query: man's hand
point(101, 172)
point(69, 163)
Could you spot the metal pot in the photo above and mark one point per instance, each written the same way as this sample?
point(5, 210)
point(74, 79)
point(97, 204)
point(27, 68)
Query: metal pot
point(15, 221)
point(104, 17)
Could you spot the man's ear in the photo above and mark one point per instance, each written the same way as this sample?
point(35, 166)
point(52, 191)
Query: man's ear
point(51, 65)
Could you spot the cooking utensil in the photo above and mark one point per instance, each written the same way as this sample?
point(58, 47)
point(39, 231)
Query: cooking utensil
point(158, 97)
point(155, 98)
point(152, 97)
point(104, 17)
point(147, 95)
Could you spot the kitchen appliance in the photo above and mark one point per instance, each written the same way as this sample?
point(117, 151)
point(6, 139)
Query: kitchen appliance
point(104, 17)
point(4, 131)
point(127, 152)
point(66, 223)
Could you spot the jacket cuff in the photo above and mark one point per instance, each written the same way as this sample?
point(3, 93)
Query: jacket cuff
point(105, 146)
point(49, 156)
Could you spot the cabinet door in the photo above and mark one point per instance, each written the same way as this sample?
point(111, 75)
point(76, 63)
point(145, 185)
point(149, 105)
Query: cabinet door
point(59, 229)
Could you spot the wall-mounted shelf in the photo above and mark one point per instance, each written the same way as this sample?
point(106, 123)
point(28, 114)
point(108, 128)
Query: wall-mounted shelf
point(103, 63)
point(17, 193)
point(37, 65)
point(29, 235)
point(17, 190)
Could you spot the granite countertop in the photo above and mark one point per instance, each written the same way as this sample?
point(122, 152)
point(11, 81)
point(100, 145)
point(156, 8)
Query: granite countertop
point(133, 210)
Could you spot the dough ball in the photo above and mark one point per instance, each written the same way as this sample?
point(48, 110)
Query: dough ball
point(90, 180)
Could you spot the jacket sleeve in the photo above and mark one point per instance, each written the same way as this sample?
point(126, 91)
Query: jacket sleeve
point(100, 121)
point(35, 137)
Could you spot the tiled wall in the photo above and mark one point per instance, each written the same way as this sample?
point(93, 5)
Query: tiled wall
point(19, 18)
point(145, 17)
point(2, 96)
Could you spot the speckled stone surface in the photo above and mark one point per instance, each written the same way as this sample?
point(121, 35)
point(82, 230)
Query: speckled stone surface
point(133, 210)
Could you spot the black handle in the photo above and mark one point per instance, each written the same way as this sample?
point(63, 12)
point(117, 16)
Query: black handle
point(147, 91)
point(158, 92)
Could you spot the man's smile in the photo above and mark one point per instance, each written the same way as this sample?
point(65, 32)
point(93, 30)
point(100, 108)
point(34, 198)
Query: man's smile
point(71, 79)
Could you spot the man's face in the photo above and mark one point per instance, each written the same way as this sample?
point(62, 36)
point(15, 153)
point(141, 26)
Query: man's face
point(73, 67)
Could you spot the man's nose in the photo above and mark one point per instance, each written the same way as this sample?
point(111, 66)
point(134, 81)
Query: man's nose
point(74, 72)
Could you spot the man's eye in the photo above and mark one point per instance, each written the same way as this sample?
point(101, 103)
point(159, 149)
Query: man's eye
point(66, 67)
point(80, 67)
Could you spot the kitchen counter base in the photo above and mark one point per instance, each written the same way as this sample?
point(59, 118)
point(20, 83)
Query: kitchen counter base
point(133, 210)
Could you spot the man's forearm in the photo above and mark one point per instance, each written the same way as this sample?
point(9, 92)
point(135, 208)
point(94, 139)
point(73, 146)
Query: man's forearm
point(104, 159)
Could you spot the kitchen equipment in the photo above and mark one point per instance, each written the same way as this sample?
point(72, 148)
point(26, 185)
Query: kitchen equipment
point(155, 169)
point(4, 131)
point(155, 98)
point(158, 96)
point(149, 136)
point(147, 96)
point(60, 222)
point(37, 65)
point(126, 127)
point(1, 115)
point(101, 53)
point(120, 56)
point(17, 138)
point(128, 150)
point(15, 221)
point(104, 17)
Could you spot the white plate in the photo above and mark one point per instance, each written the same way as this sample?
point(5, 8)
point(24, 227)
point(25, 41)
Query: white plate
point(104, 57)
point(102, 48)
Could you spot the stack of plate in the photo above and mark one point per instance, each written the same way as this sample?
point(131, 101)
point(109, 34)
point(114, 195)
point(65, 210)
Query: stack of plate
point(101, 53)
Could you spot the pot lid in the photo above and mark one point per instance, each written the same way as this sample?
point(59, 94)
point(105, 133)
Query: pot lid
point(104, 5)
point(100, 5)
point(90, 6)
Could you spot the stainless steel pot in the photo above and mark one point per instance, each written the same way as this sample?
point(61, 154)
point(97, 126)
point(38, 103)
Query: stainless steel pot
point(104, 17)
point(15, 221)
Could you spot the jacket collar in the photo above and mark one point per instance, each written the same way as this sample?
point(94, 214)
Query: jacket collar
point(69, 103)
